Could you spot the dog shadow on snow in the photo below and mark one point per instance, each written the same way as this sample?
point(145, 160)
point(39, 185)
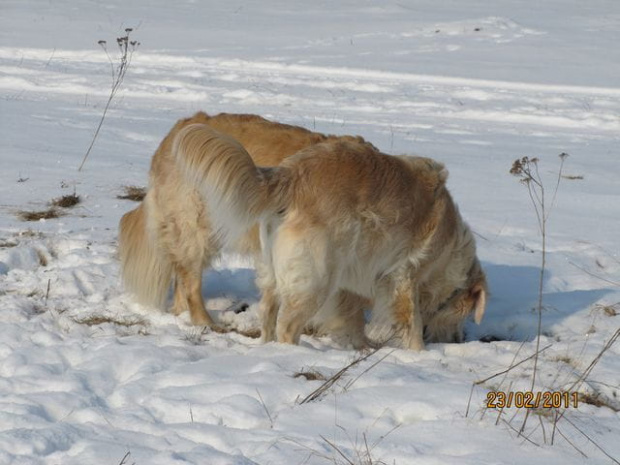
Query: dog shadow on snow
point(511, 312)
point(511, 306)
point(236, 284)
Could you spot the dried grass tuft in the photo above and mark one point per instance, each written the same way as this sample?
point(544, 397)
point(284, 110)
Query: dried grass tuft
point(134, 193)
point(96, 320)
point(597, 400)
point(37, 215)
point(310, 375)
point(609, 310)
point(66, 201)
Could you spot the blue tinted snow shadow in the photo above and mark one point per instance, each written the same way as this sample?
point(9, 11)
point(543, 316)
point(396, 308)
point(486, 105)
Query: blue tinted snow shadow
point(236, 284)
point(511, 306)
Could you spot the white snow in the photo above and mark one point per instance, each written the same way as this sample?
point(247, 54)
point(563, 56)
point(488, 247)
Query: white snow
point(88, 376)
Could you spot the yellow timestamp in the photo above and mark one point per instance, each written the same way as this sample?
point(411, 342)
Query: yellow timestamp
point(530, 399)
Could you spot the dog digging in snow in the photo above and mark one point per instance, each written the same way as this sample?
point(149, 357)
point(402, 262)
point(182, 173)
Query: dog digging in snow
point(340, 218)
point(169, 237)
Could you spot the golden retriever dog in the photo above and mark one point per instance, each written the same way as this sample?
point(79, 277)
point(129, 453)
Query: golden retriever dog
point(340, 218)
point(169, 236)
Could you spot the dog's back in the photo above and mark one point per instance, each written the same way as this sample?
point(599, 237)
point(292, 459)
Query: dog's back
point(354, 181)
point(267, 142)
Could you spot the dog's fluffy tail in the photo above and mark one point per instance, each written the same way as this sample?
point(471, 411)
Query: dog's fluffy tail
point(145, 271)
point(237, 192)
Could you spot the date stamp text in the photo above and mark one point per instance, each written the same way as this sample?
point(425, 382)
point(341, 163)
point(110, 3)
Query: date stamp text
point(530, 399)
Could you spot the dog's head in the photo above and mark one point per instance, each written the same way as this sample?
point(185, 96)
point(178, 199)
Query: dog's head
point(446, 323)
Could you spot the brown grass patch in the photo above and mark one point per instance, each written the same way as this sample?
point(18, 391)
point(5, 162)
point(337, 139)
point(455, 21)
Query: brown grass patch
point(36, 215)
point(609, 310)
point(310, 375)
point(134, 193)
point(251, 333)
point(66, 201)
point(30, 233)
point(565, 359)
point(96, 320)
point(55, 210)
point(595, 399)
point(7, 244)
point(547, 413)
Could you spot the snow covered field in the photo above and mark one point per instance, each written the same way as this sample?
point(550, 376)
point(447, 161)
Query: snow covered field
point(89, 377)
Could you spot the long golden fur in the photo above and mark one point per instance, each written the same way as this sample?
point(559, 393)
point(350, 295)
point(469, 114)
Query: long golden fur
point(169, 237)
point(340, 218)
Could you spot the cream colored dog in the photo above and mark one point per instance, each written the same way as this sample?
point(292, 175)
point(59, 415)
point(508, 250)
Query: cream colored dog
point(170, 235)
point(340, 218)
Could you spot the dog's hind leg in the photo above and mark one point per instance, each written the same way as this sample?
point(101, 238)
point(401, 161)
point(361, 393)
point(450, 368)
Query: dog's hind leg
point(269, 302)
point(268, 308)
point(306, 275)
point(295, 313)
point(179, 304)
point(190, 282)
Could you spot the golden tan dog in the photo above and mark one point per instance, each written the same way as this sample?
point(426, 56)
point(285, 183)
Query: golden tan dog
point(169, 236)
point(340, 217)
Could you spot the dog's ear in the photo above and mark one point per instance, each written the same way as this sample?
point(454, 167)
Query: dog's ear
point(478, 293)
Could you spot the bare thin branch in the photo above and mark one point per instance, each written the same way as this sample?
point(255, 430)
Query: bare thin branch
point(594, 275)
point(591, 440)
point(534, 199)
point(337, 449)
point(481, 381)
point(118, 76)
point(557, 184)
point(265, 408)
point(518, 433)
point(612, 340)
point(350, 383)
point(571, 443)
point(332, 380)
